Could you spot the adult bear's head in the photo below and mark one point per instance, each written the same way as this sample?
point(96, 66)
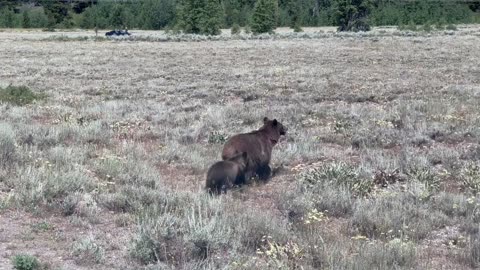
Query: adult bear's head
point(274, 129)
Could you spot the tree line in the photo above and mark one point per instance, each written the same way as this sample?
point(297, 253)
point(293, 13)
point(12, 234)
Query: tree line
point(208, 16)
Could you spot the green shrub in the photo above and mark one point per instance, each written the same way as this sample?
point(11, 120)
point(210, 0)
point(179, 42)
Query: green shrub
point(427, 177)
point(217, 138)
point(334, 200)
point(441, 24)
point(247, 29)
point(451, 27)
point(25, 262)
point(117, 202)
point(331, 188)
point(471, 177)
point(42, 226)
point(18, 95)
point(427, 27)
point(297, 28)
point(338, 174)
point(411, 26)
point(235, 29)
point(173, 30)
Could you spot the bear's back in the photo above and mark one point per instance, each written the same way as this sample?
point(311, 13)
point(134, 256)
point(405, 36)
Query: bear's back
point(253, 143)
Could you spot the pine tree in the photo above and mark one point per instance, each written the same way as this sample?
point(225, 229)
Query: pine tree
point(352, 15)
point(156, 14)
point(118, 19)
point(55, 10)
point(264, 18)
point(26, 20)
point(212, 17)
point(8, 17)
point(188, 15)
point(293, 9)
point(7, 4)
point(232, 12)
point(200, 16)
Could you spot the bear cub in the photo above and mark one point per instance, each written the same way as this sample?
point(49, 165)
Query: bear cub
point(225, 174)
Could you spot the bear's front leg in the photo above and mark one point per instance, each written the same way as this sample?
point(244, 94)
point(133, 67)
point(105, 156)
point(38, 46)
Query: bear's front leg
point(264, 172)
point(248, 177)
point(241, 179)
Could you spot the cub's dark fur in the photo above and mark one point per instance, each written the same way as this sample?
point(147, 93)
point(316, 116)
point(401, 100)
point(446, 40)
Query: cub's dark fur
point(225, 174)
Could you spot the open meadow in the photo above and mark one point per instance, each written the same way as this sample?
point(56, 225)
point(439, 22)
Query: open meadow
point(379, 169)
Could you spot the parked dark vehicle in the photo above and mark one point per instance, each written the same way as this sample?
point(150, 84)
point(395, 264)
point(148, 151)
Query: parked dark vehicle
point(117, 33)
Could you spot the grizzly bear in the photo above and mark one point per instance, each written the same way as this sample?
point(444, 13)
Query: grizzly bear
point(224, 174)
point(258, 145)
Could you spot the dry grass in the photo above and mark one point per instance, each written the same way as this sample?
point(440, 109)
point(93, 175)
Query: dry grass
point(384, 127)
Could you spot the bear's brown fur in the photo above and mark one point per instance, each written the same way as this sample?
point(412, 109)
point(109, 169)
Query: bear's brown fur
point(258, 145)
point(224, 174)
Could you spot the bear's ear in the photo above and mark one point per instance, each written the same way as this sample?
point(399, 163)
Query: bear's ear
point(275, 122)
point(265, 119)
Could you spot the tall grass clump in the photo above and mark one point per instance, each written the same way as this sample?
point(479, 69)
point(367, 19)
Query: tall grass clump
point(7, 145)
point(329, 190)
point(473, 250)
point(127, 171)
point(88, 252)
point(197, 228)
point(44, 186)
point(470, 175)
point(394, 254)
point(161, 227)
point(401, 214)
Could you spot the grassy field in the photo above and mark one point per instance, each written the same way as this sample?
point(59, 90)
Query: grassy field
point(380, 168)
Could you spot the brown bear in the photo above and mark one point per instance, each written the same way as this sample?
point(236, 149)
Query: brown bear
point(224, 174)
point(258, 145)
